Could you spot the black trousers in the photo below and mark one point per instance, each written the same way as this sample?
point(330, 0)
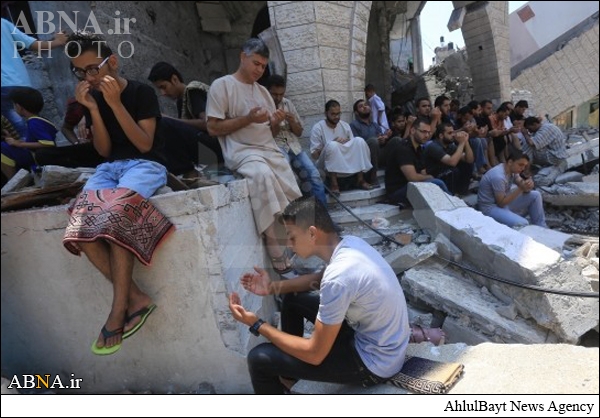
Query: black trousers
point(266, 362)
point(184, 146)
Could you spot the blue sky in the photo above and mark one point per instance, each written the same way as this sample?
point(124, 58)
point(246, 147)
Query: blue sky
point(434, 21)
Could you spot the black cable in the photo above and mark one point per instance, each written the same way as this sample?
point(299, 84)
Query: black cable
point(467, 268)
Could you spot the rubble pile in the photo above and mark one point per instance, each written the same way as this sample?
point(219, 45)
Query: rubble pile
point(578, 220)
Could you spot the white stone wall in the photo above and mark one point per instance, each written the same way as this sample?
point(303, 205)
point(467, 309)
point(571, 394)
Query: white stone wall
point(486, 35)
point(324, 45)
point(565, 79)
point(54, 304)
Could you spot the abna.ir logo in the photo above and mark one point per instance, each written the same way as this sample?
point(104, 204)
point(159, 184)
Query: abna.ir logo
point(44, 381)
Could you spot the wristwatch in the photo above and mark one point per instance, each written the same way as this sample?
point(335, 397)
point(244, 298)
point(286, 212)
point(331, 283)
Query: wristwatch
point(254, 328)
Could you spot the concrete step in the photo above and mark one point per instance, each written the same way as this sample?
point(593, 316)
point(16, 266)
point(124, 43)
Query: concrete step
point(370, 236)
point(358, 197)
point(366, 213)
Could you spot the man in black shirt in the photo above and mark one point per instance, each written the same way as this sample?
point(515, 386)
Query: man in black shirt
point(124, 115)
point(405, 163)
point(449, 157)
point(189, 142)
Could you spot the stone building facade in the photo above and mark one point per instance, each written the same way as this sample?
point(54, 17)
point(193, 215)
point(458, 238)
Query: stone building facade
point(330, 49)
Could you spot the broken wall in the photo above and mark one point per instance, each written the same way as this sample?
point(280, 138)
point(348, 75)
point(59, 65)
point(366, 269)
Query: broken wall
point(54, 304)
point(566, 78)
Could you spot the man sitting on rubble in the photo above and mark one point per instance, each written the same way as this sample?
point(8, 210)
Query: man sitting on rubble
point(338, 151)
point(449, 157)
point(191, 141)
point(546, 144)
point(505, 194)
point(405, 163)
point(112, 221)
point(374, 134)
point(361, 329)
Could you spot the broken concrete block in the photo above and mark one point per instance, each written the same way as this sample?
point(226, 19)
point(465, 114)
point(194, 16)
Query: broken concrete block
point(500, 251)
point(572, 194)
point(569, 177)
point(22, 178)
point(443, 289)
point(162, 190)
point(447, 249)
point(419, 317)
point(582, 153)
point(507, 311)
point(590, 272)
point(587, 250)
point(55, 175)
point(460, 333)
point(549, 237)
point(427, 199)
point(592, 178)
point(410, 255)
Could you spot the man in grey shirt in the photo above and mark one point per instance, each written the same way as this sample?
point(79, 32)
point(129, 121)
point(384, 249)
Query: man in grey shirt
point(498, 198)
point(361, 324)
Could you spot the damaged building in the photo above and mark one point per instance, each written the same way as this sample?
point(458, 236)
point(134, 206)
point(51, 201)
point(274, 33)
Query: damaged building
point(446, 254)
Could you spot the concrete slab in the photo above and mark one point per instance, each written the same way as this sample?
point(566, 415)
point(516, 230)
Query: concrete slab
point(404, 258)
point(458, 332)
point(360, 197)
point(572, 194)
point(568, 177)
point(443, 289)
point(22, 178)
point(582, 153)
point(500, 251)
point(591, 178)
point(190, 340)
point(515, 369)
point(447, 249)
point(427, 199)
point(56, 175)
point(367, 213)
point(549, 237)
point(371, 236)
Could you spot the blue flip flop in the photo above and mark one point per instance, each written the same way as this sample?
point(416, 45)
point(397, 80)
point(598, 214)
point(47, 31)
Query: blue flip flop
point(144, 313)
point(104, 351)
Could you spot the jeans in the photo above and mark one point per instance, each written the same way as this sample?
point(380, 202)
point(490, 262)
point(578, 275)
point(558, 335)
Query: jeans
point(266, 362)
point(479, 147)
point(529, 203)
point(399, 196)
point(310, 178)
point(142, 176)
point(9, 112)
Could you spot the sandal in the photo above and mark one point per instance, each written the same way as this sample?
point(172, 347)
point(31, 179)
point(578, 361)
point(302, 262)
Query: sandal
point(106, 334)
point(418, 334)
point(283, 258)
